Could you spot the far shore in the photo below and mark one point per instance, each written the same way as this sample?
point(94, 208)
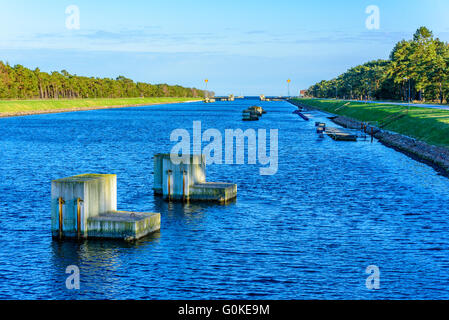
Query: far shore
point(419, 133)
point(20, 108)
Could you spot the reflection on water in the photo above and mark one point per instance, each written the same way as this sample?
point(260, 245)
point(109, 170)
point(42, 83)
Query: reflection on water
point(310, 231)
point(98, 261)
point(187, 211)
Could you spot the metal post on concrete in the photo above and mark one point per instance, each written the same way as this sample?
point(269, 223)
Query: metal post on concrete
point(169, 174)
point(91, 210)
point(78, 216)
point(184, 185)
point(61, 225)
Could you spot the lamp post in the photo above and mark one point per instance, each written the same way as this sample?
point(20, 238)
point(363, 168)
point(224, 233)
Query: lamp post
point(288, 84)
point(206, 93)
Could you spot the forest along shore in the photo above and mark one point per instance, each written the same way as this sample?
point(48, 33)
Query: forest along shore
point(17, 108)
point(26, 92)
point(424, 139)
point(417, 70)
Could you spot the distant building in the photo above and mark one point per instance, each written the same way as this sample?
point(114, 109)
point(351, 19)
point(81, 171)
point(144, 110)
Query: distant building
point(302, 93)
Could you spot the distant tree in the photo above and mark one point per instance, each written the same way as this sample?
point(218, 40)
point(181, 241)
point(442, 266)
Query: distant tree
point(19, 82)
point(421, 64)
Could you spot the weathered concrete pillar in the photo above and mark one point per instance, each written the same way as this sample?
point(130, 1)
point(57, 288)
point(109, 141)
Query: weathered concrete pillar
point(157, 187)
point(84, 197)
point(175, 180)
point(85, 206)
point(187, 181)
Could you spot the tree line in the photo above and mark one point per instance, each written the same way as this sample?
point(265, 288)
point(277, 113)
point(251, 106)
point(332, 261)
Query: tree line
point(418, 69)
point(19, 82)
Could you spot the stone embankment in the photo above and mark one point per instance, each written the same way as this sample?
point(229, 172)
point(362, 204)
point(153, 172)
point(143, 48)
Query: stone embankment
point(419, 150)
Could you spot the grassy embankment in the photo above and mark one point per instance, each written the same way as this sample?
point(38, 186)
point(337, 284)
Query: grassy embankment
point(24, 107)
point(425, 124)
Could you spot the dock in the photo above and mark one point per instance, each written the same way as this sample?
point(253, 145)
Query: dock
point(85, 207)
point(340, 134)
point(209, 100)
point(215, 99)
point(186, 181)
point(264, 98)
point(299, 113)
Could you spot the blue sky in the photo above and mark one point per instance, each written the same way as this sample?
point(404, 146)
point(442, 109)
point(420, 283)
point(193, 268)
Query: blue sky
point(242, 47)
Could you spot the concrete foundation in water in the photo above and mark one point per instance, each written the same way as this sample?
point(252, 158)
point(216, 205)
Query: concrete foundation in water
point(340, 134)
point(85, 206)
point(186, 181)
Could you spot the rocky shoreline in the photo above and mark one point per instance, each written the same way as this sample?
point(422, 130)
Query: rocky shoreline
point(436, 156)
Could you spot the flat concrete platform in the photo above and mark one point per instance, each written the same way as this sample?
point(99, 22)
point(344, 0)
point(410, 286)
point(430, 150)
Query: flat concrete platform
point(84, 178)
point(213, 191)
point(123, 225)
point(340, 135)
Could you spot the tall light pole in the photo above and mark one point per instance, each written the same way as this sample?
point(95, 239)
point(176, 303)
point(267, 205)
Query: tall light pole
point(288, 86)
point(205, 92)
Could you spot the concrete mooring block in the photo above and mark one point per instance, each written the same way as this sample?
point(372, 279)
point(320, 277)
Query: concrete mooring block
point(85, 206)
point(187, 181)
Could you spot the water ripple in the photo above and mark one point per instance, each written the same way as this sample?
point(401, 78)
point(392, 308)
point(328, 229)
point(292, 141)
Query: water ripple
point(308, 232)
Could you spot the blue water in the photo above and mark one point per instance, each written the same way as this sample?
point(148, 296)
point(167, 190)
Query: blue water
point(308, 232)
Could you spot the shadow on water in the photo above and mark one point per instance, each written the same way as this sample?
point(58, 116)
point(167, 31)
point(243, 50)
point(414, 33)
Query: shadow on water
point(307, 232)
point(104, 252)
point(103, 262)
point(191, 210)
point(101, 253)
point(100, 262)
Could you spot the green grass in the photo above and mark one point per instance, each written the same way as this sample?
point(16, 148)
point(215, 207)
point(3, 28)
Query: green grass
point(24, 106)
point(425, 124)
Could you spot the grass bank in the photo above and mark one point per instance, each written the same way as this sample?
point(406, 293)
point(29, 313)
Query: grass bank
point(10, 108)
point(424, 124)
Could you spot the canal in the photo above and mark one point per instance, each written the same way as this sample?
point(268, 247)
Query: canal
point(308, 232)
